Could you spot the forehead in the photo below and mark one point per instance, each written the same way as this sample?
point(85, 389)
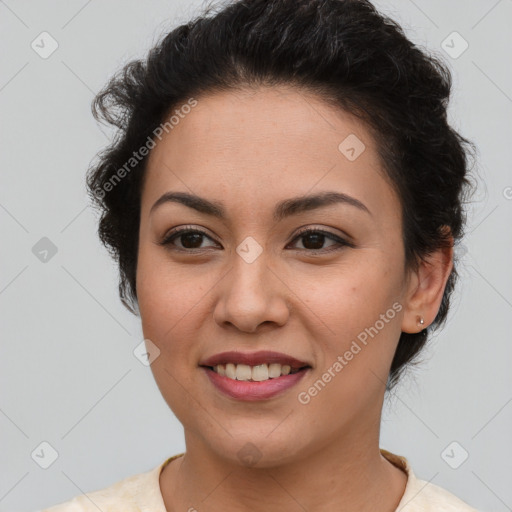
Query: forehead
point(260, 146)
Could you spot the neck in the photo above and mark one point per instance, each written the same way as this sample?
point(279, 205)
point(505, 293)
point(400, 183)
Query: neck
point(345, 475)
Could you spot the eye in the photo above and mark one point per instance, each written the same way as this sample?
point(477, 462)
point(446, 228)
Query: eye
point(314, 239)
point(190, 239)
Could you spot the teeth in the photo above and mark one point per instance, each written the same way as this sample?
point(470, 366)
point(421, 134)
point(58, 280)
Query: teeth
point(257, 373)
point(243, 372)
point(260, 372)
point(230, 371)
point(274, 370)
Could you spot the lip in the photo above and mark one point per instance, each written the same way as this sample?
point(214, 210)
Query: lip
point(253, 359)
point(253, 391)
point(248, 390)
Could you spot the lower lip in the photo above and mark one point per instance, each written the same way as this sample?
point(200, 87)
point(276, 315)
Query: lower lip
point(252, 391)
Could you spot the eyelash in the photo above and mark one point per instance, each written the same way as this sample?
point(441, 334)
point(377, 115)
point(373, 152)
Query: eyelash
point(168, 240)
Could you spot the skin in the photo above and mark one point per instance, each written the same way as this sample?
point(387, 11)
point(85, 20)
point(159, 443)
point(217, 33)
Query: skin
point(250, 150)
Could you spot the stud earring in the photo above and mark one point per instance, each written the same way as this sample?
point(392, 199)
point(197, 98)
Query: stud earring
point(420, 320)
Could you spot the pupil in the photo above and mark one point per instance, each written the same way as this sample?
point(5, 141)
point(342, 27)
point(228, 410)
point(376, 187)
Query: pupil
point(191, 236)
point(319, 238)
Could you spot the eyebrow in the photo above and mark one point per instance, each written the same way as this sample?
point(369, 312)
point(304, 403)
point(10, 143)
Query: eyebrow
point(283, 209)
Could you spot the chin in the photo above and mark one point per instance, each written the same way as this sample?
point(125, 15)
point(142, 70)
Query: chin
point(256, 447)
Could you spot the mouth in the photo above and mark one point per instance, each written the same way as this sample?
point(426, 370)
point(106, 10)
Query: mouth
point(258, 373)
point(254, 376)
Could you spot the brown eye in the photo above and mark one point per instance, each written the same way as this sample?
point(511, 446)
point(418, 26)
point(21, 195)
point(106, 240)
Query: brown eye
point(314, 239)
point(189, 239)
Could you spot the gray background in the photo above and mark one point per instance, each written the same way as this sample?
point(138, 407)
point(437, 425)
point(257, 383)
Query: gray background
point(68, 375)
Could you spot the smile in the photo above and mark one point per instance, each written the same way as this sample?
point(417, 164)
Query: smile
point(253, 376)
point(258, 373)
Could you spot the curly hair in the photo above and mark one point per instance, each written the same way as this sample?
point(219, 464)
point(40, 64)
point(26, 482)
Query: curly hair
point(345, 52)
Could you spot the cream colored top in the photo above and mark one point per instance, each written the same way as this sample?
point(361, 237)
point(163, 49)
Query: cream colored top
point(141, 493)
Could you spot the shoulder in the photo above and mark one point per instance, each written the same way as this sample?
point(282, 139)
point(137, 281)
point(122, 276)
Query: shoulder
point(125, 492)
point(135, 493)
point(423, 496)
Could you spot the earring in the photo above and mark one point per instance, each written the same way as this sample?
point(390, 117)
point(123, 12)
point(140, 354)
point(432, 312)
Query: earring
point(420, 320)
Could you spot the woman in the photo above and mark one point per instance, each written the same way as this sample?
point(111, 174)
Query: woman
point(283, 200)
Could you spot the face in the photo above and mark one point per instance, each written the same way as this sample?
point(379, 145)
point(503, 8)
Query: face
point(246, 280)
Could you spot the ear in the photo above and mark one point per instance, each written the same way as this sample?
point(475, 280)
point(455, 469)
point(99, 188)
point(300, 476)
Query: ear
point(425, 288)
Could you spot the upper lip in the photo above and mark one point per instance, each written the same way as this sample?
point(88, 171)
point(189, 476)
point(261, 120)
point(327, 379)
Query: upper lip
point(253, 359)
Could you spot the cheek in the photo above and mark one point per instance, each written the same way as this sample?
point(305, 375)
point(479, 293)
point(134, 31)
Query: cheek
point(359, 313)
point(349, 297)
point(353, 359)
point(168, 296)
point(168, 291)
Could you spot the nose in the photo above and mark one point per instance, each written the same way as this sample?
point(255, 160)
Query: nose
point(252, 294)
